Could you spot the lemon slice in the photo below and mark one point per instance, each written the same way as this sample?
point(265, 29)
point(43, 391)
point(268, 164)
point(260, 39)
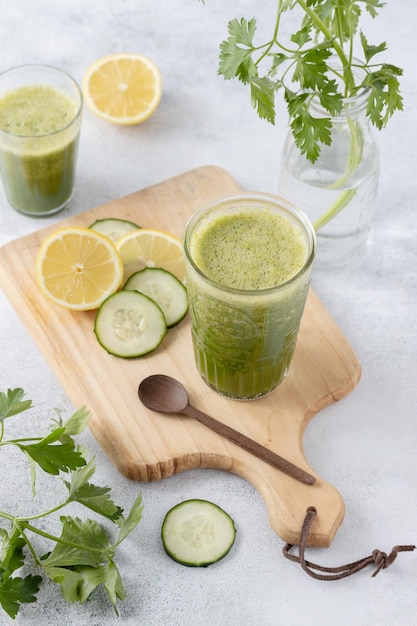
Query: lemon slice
point(123, 88)
point(78, 268)
point(149, 247)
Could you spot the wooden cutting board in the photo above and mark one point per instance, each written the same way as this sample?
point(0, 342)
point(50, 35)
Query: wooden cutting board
point(146, 446)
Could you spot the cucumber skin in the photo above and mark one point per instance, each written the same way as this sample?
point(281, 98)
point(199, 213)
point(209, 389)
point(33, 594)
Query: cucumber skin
point(114, 220)
point(200, 563)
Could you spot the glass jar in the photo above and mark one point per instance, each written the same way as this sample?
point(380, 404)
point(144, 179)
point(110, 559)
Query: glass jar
point(248, 261)
point(338, 192)
point(40, 121)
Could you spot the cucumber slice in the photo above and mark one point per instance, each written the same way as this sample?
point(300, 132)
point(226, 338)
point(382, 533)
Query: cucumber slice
point(113, 227)
point(129, 324)
point(197, 533)
point(164, 288)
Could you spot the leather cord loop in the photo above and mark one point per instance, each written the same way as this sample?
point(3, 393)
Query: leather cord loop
point(380, 559)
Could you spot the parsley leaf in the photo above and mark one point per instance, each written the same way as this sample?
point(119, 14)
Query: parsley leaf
point(235, 52)
point(12, 552)
point(330, 98)
point(82, 557)
point(83, 542)
point(70, 581)
point(15, 591)
point(95, 498)
point(263, 95)
point(54, 457)
point(98, 499)
point(13, 403)
point(78, 583)
point(309, 130)
point(83, 561)
point(126, 525)
point(327, 31)
point(311, 68)
point(372, 6)
point(76, 424)
point(370, 51)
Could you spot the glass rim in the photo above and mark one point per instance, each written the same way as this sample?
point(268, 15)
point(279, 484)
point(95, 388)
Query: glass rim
point(264, 197)
point(351, 104)
point(52, 69)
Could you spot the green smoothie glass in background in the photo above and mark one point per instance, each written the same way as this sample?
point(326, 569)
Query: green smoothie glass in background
point(248, 266)
point(40, 120)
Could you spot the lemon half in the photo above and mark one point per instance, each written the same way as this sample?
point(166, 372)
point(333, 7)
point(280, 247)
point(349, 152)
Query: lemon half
point(123, 88)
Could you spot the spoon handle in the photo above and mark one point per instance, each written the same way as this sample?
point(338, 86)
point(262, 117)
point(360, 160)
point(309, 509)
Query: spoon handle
point(250, 445)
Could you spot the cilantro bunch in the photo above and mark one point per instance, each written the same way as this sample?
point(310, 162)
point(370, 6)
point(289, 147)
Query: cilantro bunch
point(82, 557)
point(302, 68)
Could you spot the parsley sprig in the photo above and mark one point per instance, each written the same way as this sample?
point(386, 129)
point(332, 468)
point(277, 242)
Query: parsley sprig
point(82, 557)
point(302, 69)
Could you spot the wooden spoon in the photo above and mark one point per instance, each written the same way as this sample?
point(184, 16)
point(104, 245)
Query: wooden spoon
point(164, 394)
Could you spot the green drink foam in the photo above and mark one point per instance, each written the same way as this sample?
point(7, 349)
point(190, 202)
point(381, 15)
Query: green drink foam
point(249, 250)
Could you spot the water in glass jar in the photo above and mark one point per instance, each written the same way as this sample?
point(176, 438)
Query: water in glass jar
point(345, 234)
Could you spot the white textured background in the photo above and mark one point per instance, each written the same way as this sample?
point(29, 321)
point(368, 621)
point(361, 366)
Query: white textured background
point(366, 445)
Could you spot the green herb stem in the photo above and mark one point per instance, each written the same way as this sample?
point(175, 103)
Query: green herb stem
point(322, 26)
point(29, 545)
point(16, 442)
point(65, 542)
point(23, 523)
point(41, 515)
point(269, 45)
point(340, 204)
point(355, 157)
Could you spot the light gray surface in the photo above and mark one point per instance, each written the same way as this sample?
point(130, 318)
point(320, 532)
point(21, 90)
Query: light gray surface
point(366, 445)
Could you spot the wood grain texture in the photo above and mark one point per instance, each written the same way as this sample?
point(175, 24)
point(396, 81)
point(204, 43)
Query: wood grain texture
point(146, 446)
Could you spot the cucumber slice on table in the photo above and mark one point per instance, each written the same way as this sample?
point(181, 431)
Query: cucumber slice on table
point(113, 227)
point(129, 324)
point(164, 288)
point(197, 533)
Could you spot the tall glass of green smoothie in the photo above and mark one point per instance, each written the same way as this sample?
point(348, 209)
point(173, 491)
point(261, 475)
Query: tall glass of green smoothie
point(248, 260)
point(40, 120)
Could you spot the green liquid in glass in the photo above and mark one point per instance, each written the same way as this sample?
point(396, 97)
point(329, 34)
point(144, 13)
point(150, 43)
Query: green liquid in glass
point(38, 148)
point(244, 334)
